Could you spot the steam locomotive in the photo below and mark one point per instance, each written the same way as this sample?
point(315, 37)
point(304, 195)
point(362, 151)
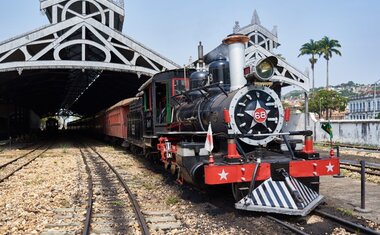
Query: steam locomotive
point(238, 106)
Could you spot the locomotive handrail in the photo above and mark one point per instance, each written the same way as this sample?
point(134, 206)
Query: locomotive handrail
point(306, 132)
point(200, 89)
point(183, 133)
point(222, 89)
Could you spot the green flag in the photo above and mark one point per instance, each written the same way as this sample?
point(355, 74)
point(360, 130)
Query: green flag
point(327, 127)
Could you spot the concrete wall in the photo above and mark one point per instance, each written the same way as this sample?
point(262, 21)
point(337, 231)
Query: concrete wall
point(362, 132)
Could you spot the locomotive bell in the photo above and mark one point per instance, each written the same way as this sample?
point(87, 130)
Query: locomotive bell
point(262, 70)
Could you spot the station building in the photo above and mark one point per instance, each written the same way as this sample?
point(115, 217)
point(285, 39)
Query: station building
point(363, 107)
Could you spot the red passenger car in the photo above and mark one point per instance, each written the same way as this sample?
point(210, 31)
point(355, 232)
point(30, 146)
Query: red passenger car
point(115, 119)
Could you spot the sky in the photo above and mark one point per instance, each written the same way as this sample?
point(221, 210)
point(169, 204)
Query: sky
point(173, 28)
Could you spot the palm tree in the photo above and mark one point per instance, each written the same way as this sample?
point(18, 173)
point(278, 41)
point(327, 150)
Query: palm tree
point(310, 48)
point(327, 47)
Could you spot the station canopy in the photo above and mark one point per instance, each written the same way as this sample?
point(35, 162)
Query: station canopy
point(80, 62)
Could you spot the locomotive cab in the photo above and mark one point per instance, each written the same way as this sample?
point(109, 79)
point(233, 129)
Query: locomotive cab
point(160, 95)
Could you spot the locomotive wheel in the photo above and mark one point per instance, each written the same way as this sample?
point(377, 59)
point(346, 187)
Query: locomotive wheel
point(239, 190)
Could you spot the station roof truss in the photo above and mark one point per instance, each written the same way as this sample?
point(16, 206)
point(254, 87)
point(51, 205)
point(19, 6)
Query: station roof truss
point(261, 45)
point(81, 47)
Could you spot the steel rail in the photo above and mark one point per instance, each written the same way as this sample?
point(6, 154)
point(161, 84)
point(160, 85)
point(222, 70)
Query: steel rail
point(23, 165)
point(353, 147)
point(13, 160)
point(90, 200)
point(359, 171)
point(287, 225)
point(368, 165)
point(135, 204)
point(356, 227)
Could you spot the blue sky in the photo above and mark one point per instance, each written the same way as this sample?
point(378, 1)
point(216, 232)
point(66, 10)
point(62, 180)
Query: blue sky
point(173, 28)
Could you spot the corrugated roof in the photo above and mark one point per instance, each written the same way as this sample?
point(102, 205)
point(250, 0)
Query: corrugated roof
point(122, 103)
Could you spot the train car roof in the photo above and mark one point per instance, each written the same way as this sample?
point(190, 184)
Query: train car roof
point(164, 75)
point(121, 103)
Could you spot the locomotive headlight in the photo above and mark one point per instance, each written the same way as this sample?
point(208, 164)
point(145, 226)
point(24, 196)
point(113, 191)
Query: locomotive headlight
point(262, 70)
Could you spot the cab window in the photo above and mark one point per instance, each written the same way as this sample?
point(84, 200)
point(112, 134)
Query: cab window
point(179, 85)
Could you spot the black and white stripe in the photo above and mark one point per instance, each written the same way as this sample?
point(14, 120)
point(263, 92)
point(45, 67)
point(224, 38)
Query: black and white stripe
point(276, 194)
point(308, 195)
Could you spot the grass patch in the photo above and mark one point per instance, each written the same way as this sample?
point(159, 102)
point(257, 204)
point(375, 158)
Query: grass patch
point(65, 203)
point(35, 181)
point(148, 185)
point(345, 211)
point(118, 203)
point(64, 147)
point(172, 200)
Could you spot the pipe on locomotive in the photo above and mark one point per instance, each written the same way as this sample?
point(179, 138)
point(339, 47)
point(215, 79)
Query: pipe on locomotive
point(200, 64)
point(236, 52)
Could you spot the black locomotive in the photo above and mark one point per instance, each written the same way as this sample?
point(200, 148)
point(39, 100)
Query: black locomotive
point(241, 104)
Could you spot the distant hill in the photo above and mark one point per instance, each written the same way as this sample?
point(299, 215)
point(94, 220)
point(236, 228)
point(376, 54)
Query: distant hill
point(348, 90)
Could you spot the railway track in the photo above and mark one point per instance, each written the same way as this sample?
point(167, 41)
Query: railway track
point(353, 147)
point(298, 225)
point(351, 226)
point(3, 146)
point(111, 206)
point(371, 168)
point(328, 218)
point(11, 167)
point(287, 225)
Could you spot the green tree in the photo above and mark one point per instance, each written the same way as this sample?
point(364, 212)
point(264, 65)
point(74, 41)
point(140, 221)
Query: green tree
point(310, 48)
point(327, 47)
point(326, 101)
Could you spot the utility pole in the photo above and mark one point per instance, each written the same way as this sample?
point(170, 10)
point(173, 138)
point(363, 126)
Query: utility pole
point(374, 100)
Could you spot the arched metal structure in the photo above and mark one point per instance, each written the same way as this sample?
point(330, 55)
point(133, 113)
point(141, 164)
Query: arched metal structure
point(82, 45)
point(261, 45)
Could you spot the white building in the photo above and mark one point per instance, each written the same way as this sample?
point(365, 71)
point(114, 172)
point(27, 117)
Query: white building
point(363, 107)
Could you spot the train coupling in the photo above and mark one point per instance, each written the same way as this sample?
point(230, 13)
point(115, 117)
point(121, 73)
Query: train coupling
point(289, 196)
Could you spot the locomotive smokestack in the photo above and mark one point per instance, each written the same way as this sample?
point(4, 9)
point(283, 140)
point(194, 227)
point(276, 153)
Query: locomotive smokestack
point(236, 51)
